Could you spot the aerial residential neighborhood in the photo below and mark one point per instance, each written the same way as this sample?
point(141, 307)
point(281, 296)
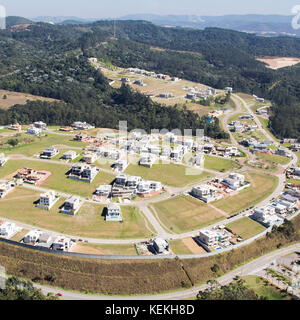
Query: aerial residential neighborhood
point(149, 156)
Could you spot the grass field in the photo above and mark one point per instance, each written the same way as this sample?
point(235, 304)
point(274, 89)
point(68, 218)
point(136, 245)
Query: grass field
point(264, 289)
point(58, 179)
point(13, 98)
point(178, 247)
point(88, 222)
point(265, 124)
point(261, 187)
point(169, 174)
point(184, 213)
point(111, 249)
point(245, 228)
point(298, 155)
point(220, 164)
point(40, 144)
point(273, 158)
point(293, 181)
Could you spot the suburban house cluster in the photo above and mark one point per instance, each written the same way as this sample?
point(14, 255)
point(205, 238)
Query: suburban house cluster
point(217, 188)
point(125, 186)
point(275, 212)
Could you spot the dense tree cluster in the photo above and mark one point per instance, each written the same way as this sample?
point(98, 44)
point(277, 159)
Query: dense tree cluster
point(236, 290)
point(17, 289)
point(47, 60)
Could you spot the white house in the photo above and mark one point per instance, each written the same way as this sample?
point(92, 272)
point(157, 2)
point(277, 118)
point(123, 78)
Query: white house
point(8, 229)
point(113, 212)
point(5, 188)
point(198, 160)
point(147, 160)
point(47, 200)
point(267, 216)
point(32, 236)
point(160, 245)
point(89, 157)
point(40, 125)
point(83, 171)
point(235, 181)
point(206, 193)
point(34, 131)
point(146, 187)
point(71, 206)
point(3, 160)
point(103, 191)
point(49, 153)
point(62, 244)
point(69, 155)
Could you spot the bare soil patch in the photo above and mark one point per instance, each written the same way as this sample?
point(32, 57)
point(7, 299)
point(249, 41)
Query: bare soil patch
point(279, 62)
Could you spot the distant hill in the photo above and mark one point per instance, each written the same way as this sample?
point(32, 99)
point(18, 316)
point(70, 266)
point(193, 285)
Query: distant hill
point(13, 21)
point(63, 19)
point(267, 25)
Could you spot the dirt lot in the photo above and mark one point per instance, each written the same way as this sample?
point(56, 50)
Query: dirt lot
point(193, 246)
point(13, 98)
point(279, 62)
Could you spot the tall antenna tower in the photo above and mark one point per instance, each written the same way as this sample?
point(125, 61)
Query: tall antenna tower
point(115, 29)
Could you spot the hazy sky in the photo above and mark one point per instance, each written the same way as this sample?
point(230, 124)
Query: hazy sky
point(117, 8)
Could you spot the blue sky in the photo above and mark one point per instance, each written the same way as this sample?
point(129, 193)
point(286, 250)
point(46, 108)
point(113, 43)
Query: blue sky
point(117, 8)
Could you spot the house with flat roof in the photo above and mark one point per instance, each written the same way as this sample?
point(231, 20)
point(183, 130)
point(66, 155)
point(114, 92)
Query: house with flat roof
point(34, 131)
point(32, 236)
point(62, 243)
point(3, 159)
point(40, 125)
point(198, 160)
point(49, 153)
point(235, 181)
point(120, 165)
point(146, 187)
point(69, 155)
point(113, 212)
point(89, 157)
point(104, 191)
point(267, 216)
point(47, 200)
point(161, 245)
point(71, 206)
point(5, 188)
point(84, 172)
point(206, 193)
point(147, 160)
point(8, 229)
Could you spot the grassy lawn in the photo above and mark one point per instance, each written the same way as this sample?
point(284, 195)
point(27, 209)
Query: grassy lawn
point(88, 222)
point(183, 213)
point(220, 164)
point(178, 247)
point(40, 144)
point(274, 158)
point(258, 135)
point(293, 181)
point(265, 124)
point(298, 155)
point(169, 174)
point(245, 228)
point(262, 186)
point(20, 235)
point(112, 249)
point(58, 179)
point(265, 289)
